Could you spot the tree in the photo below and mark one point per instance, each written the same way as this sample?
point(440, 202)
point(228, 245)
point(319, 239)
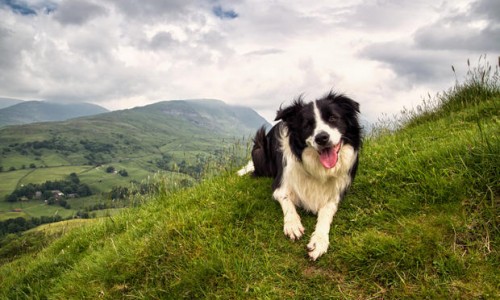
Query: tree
point(119, 192)
point(11, 198)
point(110, 169)
point(74, 178)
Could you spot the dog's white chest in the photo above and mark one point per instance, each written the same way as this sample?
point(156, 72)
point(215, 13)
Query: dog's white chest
point(311, 185)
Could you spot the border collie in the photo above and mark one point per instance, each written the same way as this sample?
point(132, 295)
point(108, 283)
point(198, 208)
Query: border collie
point(312, 154)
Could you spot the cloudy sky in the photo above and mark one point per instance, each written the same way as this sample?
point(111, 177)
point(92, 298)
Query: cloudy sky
point(385, 54)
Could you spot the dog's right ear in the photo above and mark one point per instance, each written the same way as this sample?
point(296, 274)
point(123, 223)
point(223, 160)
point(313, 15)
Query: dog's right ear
point(285, 114)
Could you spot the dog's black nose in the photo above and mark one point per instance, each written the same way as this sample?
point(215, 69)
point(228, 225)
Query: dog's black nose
point(322, 138)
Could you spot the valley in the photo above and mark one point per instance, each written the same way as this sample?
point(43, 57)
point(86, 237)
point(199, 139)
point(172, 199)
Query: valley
point(182, 141)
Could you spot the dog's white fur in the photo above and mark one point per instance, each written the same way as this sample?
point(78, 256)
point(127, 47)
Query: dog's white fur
point(246, 169)
point(309, 185)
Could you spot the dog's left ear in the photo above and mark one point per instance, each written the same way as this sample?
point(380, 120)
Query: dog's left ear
point(345, 102)
point(285, 114)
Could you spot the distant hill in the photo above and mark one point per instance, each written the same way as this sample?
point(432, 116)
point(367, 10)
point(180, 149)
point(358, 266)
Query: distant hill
point(150, 138)
point(27, 112)
point(6, 102)
point(207, 114)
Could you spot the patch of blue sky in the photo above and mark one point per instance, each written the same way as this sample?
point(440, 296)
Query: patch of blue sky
point(224, 14)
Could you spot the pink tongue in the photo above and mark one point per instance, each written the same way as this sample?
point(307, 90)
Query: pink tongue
point(329, 157)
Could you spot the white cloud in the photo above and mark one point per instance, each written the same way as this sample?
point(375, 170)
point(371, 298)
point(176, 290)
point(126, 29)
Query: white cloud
point(122, 53)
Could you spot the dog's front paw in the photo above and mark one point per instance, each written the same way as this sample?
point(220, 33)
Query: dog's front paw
point(318, 245)
point(293, 228)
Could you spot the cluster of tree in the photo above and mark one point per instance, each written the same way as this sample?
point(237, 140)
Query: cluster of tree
point(99, 153)
point(62, 202)
point(21, 224)
point(95, 147)
point(166, 162)
point(23, 167)
point(195, 170)
point(46, 191)
point(111, 169)
point(119, 192)
point(52, 144)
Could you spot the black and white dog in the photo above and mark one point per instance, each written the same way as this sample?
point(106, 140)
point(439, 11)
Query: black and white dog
point(312, 154)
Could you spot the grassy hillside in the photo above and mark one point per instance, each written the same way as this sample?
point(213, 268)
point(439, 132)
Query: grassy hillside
point(421, 221)
point(182, 136)
point(27, 112)
point(181, 128)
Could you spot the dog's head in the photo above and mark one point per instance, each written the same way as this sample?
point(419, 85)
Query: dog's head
point(324, 125)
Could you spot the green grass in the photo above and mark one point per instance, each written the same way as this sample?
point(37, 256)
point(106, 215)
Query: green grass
point(39, 209)
point(61, 227)
point(42, 175)
point(421, 221)
point(9, 214)
point(9, 181)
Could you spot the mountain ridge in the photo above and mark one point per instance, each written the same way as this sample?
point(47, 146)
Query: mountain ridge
point(6, 102)
point(34, 111)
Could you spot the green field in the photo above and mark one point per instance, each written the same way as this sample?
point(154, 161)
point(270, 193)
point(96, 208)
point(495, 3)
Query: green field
point(52, 174)
point(10, 180)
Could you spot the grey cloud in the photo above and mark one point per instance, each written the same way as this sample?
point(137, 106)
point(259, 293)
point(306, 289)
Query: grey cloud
point(487, 8)
point(151, 10)
point(455, 32)
point(13, 43)
point(163, 40)
point(377, 15)
point(409, 63)
point(459, 37)
point(78, 12)
point(8, 57)
point(433, 48)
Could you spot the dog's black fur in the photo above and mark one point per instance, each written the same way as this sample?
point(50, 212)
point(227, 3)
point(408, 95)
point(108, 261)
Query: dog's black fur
point(267, 156)
point(312, 154)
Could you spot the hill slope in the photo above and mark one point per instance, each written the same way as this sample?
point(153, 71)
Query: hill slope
point(170, 126)
point(170, 135)
point(6, 102)
point(40, 111)
point(421, 221)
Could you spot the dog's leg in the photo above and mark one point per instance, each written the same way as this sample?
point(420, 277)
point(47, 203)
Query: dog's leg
point(292, 226)
point(249, 167)
point(319, 239)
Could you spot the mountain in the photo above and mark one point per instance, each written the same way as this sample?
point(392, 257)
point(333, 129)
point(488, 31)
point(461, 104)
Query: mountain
point(148, 138)
point(208, 114)
point(27, 112)
point(6, 102)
